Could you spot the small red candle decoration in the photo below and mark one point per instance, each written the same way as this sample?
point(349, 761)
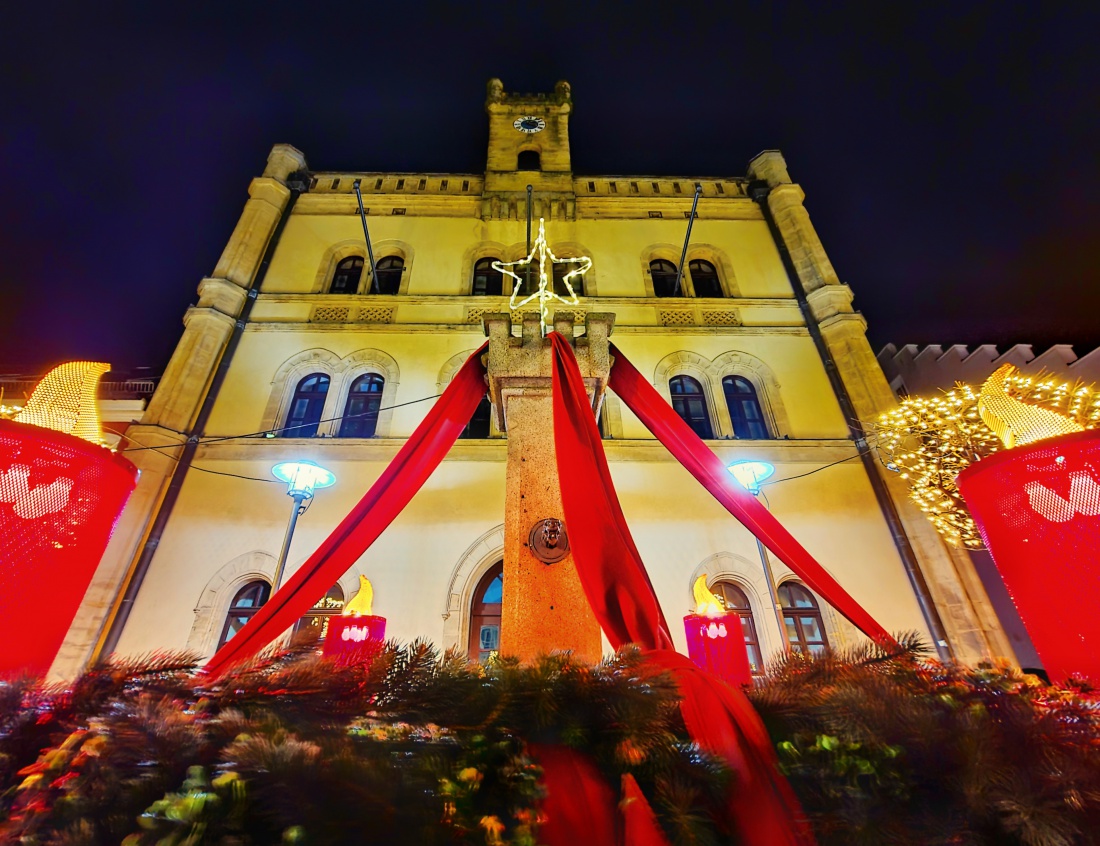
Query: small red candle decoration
point(714, 637)
point(356, 635)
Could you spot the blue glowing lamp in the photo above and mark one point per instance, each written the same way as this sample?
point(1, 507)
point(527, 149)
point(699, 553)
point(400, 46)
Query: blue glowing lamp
point(750, 474)
point(303, 477)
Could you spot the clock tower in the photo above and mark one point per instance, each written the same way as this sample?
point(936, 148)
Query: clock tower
point(528, 141)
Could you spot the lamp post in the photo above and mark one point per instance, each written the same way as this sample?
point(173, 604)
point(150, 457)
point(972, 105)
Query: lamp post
point(749, 474)
point(302, 478)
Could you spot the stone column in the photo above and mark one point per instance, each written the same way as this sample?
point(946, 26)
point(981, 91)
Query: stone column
point(544, 607)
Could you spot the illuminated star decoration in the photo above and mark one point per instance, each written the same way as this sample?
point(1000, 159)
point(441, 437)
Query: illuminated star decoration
point(545, 292)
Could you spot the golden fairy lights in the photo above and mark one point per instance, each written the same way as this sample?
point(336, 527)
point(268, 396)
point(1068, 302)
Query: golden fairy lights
point(540, 252)
point(930, 441)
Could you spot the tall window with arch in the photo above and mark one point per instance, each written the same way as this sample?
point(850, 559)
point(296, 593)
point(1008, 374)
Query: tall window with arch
point(488, 281)
point(558, 274)
point(704, 278)
point(345, 280)
point(485, 614)
point(243, 608)
point(735, 601)
point(360, 418)
point(528, 160)
point(306, 407)
point(314, 624)
point(745, 412)
point(663, 274)
point(802, 618)
point(689, 401)
point(388, 279)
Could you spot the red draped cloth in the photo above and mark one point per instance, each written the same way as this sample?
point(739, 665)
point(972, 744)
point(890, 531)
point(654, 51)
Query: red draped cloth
point(387, 497)
point(718, 717)
point(688, 448)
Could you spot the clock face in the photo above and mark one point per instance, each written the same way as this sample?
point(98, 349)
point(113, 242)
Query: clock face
point(529, 124)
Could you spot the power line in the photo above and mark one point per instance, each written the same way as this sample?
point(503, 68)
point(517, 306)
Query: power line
point(271, 433)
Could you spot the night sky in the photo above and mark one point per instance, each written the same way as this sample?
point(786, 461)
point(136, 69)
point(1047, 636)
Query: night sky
point(950, 159)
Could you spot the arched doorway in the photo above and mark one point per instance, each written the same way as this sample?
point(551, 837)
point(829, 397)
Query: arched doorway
point(485, 614)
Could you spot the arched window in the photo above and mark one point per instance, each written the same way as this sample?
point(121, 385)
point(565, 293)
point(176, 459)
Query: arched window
point(305, 409)
point(528, 160)
point(663, 274)
point(314, 623)
point(704, 278)
point(735, 601)
point(246, 603)
point(745, 411)
point(558, 273)
point(689, 401)
point(479, 427)
point(488, 282)
point(485, 614)
point(389, 271)
point(361, 409)
point(346, 278)
point(802, 617)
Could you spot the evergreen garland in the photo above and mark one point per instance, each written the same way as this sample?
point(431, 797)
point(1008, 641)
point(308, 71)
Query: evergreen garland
point(882, 747)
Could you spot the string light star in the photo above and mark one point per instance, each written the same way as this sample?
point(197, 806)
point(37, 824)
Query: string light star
point(545, 294)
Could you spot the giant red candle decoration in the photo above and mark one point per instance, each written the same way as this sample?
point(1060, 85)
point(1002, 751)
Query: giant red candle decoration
point(714, 637)
point(356, 635)
point(60, 494)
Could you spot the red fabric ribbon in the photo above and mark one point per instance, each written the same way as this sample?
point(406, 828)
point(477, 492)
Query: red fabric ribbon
point(387, 497)
point(720, 718)
point(688, 448)
point(579, 807)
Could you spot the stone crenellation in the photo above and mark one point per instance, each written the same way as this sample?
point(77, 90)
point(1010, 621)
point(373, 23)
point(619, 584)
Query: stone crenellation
point(914, 370)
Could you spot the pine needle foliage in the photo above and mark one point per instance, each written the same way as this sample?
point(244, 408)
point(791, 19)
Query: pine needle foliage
point(883, 747)
point(886, 747)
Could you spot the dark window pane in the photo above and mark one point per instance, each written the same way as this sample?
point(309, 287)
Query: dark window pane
point(389, 275)
point(559, 272)
point(245, 604)
point(689, 402)
point(361, 409)
point(487, 280)
point(704, 278)
point(306, 407)
point(735, 600)
point(663, 274)
point(745, 412)
point(478, 427)
point(528, 160)
point(346, 278)
point(805, 629)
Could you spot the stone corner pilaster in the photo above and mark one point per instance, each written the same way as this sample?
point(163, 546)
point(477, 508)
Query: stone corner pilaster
point(284, 160)
point(771, 167)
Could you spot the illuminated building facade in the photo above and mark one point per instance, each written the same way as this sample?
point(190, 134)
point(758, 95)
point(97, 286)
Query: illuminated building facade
point(335, 352)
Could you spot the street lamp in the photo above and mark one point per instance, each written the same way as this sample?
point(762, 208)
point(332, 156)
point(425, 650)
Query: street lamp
point(302, 479)
point(749, 474)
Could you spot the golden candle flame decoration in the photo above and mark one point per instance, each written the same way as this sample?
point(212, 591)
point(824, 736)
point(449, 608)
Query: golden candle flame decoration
point(1018, 423)
point(65, 400)
point(930, 441)
point(363, 602)
point(706, 603)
